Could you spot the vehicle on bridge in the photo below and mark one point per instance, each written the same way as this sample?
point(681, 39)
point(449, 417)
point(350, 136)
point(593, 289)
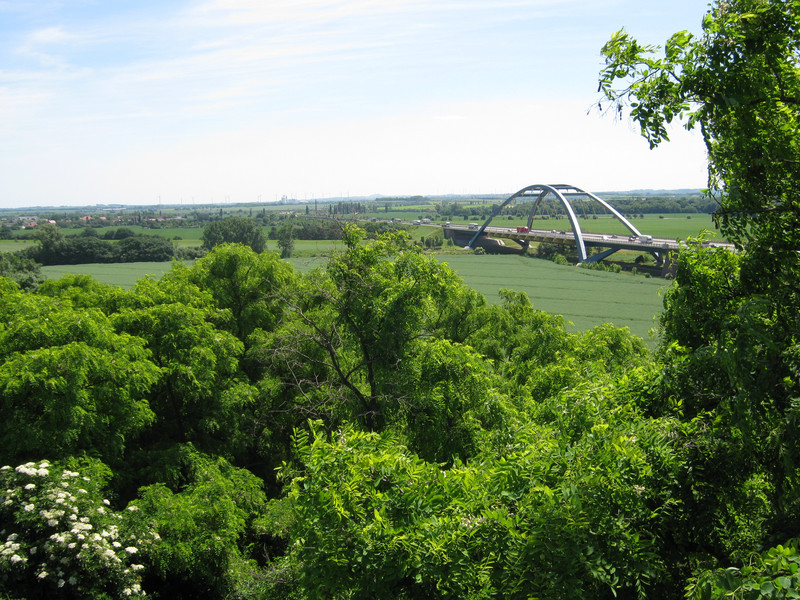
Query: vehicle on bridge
point(522, 230)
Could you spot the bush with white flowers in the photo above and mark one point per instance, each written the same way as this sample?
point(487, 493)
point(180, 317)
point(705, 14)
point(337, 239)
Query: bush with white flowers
point(60, 538)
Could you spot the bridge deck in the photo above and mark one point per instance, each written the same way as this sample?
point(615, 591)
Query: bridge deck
point(619, 242)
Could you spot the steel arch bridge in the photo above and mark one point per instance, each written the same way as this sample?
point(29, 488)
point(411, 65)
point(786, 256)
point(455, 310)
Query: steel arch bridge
point(562, 192)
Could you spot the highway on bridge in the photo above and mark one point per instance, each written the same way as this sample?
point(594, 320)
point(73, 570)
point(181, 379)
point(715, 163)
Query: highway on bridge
point(620, 242)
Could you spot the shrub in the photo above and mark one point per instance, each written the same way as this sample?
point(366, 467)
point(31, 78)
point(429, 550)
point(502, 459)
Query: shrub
point(61, 539)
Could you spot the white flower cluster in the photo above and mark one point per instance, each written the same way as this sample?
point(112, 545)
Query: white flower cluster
point(58, 533)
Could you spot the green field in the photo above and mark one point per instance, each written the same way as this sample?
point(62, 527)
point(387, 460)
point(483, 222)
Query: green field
point(15, 245)
point(586, 298)
point(122, 274)
point(309, 248)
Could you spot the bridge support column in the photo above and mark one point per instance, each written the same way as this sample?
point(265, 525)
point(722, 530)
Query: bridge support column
point(669, 266)
point(601, 255)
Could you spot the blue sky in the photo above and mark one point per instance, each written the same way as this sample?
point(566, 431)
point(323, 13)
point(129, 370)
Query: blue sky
point(105, 101)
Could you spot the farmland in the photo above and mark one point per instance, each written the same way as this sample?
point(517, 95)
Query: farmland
point(585, 298)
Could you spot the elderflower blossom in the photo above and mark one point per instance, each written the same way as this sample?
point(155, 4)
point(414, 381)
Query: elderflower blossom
point(84, 537)
point(26, 469)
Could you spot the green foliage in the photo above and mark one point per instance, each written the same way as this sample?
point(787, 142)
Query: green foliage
point(549, 520)
point(200, 383)
point(352, 326)
point(739, 82)
point(730, 323)
point(450, 407)
point(234, 230)
point(25, 271)
point(143, 248)
point(68, 382)
point(204, 529)
point(249, 285)
point(773, 574)
point(201, 395)
point(519, 339)
point(56, 249)
point(82, 291)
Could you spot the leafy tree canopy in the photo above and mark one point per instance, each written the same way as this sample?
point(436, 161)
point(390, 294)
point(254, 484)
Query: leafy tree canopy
point(730, 329)
point(234, 230)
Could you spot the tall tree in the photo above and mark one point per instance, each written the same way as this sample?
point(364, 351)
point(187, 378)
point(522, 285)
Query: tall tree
point(234, 230)
point(740, 84)
point(286, 236)
point(730, 326)
point(353, 325)
point(249, 285)
point(69, 383)
point(25, 271)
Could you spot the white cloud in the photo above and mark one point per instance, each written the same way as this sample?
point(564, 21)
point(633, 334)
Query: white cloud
point(50, 35)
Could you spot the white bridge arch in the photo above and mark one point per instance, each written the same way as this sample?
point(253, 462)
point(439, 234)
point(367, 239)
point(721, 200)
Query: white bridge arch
point(562, 192)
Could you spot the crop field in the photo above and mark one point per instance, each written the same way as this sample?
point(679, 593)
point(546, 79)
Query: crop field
point(123, 275)
point(586, 298)
point(663, 226)
point(185, 233)
point(15, 245)
point(309, 248)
